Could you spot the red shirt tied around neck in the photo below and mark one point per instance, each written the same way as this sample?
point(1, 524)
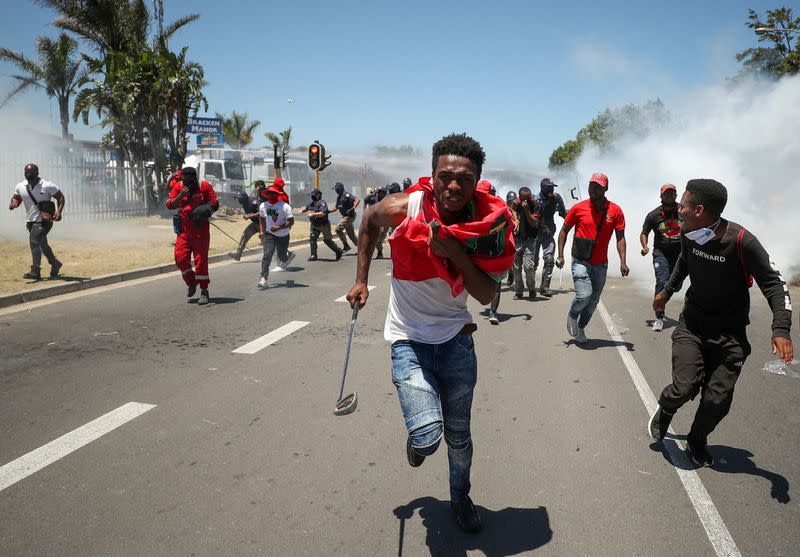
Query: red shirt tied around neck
point(585, 218)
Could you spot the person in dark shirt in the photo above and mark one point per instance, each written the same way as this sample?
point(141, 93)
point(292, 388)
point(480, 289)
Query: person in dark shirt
point(318, 211)
point(525, 208)
point(510, 197)
point(548, 203)
point(374, 197)
point(665, 223)
point(250, 208)
point(709, 345)
point(346, 204)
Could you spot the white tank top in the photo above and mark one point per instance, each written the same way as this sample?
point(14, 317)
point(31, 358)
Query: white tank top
point(424, 311)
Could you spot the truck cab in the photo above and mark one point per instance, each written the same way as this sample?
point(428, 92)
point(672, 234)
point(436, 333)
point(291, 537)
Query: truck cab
point(226, 175)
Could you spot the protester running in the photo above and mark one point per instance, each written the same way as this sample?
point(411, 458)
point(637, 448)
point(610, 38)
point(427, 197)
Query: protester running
point(317, 211)
point(665, 223)
point(709, 345)
point(275, 220)
point(346, 204)
point(196, 202)
point(527, 225)
point(250, 208)
point(548, 203)
point(450, 241)
point(594, 219)
point(37, 195)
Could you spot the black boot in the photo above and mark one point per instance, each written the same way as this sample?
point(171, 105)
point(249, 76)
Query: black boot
point(414, 458)
point(466, 514)
point(659, 424)
point(33, 274)
point(191, 290)
point(55, 268)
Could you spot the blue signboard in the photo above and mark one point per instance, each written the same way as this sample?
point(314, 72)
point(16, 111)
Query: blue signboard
point(210, 140)
point(205, 125)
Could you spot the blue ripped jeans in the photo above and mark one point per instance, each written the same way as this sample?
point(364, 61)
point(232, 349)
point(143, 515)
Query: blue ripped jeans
point(435, 384)
point(589, 282)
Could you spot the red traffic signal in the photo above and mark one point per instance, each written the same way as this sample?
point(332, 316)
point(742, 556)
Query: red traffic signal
point(315, 156)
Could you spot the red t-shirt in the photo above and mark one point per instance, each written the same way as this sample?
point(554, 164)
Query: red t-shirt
point(584, 217)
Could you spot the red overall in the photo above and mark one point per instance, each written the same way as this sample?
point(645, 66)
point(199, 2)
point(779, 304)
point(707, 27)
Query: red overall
point(194, 238)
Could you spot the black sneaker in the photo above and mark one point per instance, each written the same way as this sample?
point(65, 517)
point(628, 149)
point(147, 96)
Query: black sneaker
point(203, 297)
point(518, 295)
point(532, 294)
point(192, 290)
point(235, 255)
point(466, 515)
point(379, 255)
point(312, 258)
point(339, 254)
point(55, 268)
point(33, 274)
point(698, 453)
point(414, 458)
point(346, 248)
point(659, 424)
point(546, 292)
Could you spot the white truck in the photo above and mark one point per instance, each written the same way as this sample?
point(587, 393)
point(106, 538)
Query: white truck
point(223, 169)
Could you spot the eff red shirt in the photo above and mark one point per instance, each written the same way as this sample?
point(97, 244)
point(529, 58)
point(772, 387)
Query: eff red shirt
point(585, 218)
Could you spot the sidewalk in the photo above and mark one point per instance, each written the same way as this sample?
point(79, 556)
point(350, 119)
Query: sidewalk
point(109, 250)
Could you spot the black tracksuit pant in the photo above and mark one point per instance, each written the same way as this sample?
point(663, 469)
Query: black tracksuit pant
point(709, 363)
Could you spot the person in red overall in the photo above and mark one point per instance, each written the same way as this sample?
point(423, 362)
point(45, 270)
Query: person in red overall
point(196, 202)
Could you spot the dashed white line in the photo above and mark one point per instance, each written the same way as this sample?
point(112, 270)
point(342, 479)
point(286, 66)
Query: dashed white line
point(262, 342)
point(715, 528)
point(344, 298)
point(37, 459)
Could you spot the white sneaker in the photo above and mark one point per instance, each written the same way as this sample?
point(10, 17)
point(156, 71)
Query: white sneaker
point(263, 283)
point(580, 338)
point(289, 259)
point(493, 319)
point(658, 325)
point(572, 325)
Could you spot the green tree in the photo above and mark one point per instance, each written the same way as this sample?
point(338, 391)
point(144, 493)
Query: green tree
point(238, 131)
point(610, 126)
point(281, 142)
point(782, 57)
point(119, 31)
point(58, 72)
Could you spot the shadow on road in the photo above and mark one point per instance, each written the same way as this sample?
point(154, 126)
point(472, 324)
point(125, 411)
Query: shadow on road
point(595, 343)
point(503, 317)
point(218, 300)
point(509, 531)
point(728, 460)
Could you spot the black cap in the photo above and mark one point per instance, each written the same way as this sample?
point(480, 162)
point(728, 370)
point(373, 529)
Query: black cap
point(548, 182)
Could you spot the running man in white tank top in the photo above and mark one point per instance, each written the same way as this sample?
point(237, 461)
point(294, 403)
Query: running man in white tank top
point(433, 355)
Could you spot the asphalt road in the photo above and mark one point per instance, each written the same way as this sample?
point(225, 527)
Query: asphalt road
point(241, 454)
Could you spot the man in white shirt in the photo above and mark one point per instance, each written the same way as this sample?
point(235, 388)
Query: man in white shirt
point(275, 220)
point(35, 194)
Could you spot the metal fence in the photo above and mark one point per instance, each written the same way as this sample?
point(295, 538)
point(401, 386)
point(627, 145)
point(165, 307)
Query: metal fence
point(94, 188)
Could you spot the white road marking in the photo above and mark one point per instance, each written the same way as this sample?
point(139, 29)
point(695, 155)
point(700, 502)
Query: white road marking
point(37, 459)
point(344, 298)
point(262, 342)
point(715, 528)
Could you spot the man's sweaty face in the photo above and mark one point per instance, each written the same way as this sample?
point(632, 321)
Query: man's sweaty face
point(454, 182)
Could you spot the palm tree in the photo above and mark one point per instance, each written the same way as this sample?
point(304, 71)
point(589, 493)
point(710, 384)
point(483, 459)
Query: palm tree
point(237, 130)
point(58, 72)
point(280, 142)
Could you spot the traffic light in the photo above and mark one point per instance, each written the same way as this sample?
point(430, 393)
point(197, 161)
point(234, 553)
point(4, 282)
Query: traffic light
point(315, 156)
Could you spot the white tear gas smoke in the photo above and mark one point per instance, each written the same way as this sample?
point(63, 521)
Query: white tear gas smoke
point(744, 135)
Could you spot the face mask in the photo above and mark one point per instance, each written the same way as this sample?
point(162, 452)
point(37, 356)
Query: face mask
point(702, 236)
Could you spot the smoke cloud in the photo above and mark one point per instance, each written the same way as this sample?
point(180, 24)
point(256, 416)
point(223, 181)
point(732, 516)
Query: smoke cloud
point(744, 135)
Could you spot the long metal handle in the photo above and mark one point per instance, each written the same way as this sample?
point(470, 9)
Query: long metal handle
point(347, 351)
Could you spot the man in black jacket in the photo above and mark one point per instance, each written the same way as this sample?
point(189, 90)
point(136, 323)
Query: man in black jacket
point(250, 208)
point(709, 345)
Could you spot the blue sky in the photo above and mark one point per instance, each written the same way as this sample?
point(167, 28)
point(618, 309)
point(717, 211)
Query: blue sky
point(521, 77)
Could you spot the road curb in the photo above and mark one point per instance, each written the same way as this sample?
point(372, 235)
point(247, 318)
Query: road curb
point(17, 298)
